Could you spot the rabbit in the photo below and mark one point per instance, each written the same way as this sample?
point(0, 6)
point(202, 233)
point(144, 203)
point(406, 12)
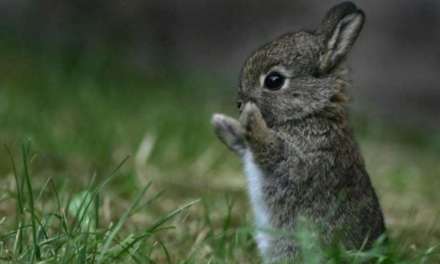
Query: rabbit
point(293, 136)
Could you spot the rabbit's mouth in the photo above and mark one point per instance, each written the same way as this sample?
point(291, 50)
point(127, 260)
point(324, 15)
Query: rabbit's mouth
point(241, 104)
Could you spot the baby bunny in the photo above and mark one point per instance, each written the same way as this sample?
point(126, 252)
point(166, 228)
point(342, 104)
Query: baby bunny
point(293, 135)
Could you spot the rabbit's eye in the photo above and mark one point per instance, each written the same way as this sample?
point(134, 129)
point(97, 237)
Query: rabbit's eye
point(274, 81)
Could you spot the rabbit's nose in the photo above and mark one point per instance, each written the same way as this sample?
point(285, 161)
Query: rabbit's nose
point(239, 104)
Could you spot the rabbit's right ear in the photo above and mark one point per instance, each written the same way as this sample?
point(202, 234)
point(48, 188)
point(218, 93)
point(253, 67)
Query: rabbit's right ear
point(339, 30)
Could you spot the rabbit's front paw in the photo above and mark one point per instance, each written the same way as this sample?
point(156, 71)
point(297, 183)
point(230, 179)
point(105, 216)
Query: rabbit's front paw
point(252, 121)
point(230, 132)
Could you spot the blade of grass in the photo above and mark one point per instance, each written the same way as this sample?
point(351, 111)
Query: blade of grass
point(62, 213)
point(82, 210)
point(120, 223)
point(17, 182)
point(96, 205)
point(165, 251)
point(170, 215)
point(156, 226)
point(18, 243)
point(45, 186)
point(82, 256)
point(150, 201)
point(25, 152)
point(93, 192)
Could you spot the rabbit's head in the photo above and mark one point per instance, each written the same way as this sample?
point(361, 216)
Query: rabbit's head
point(298, 74)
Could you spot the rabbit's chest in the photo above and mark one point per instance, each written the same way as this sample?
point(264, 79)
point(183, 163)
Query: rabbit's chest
point(255, 188)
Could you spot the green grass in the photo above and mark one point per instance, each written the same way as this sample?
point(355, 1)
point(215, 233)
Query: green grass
point(71, 232)
point(118, 156)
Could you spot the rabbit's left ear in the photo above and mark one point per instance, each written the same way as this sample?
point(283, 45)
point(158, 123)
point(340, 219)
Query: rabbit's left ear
point(339, 30)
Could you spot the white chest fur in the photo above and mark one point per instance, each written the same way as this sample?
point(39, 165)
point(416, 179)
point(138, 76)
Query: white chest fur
point(255, 177)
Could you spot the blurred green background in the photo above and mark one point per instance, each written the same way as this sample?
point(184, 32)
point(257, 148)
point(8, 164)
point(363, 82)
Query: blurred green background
point(90, 83)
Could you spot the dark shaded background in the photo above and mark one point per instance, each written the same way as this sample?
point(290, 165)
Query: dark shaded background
point(395, 61)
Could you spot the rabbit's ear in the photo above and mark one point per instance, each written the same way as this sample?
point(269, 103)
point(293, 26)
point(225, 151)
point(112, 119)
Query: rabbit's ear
point(339, 30)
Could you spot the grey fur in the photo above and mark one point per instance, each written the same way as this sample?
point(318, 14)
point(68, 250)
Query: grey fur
point(301, 139)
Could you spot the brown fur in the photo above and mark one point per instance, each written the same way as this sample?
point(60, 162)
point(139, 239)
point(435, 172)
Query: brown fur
point(301, 139)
